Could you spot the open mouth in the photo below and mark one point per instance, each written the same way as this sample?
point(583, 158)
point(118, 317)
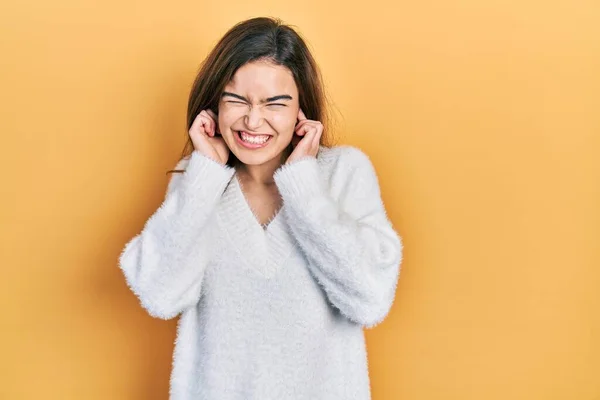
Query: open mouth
point(252, 140)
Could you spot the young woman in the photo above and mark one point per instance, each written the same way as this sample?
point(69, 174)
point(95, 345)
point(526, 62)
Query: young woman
point(275, 249)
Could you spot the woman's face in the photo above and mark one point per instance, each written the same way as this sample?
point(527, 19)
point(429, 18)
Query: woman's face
point(258, 112)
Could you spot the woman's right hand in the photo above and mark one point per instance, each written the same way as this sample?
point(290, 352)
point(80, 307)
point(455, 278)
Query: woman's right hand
point(206, 139)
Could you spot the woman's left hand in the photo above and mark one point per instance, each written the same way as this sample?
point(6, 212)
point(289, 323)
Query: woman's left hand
point(309, 133)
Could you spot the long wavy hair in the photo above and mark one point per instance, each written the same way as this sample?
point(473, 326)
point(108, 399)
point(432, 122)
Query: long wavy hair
point(252, 40)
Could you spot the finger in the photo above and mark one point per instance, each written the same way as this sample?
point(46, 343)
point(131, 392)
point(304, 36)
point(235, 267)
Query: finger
point(211, 114)
point(209, 123)
point(301, 116)
point(301, 127)
point(303, 141)
point(215, 120)
point(197, 124)
point(309, 135)
point(205, 126)
point(317, 138)
point(313, 126)
point(200, 124)
point(308, 132)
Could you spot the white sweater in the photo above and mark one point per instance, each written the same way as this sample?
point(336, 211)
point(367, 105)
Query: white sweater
point(276, 312)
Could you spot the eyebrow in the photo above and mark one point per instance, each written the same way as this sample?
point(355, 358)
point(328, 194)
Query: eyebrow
point(268, 100)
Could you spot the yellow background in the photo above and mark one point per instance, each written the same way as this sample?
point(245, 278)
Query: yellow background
point(481, 117)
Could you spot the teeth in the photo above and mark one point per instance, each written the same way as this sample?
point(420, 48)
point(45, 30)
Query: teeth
point(254, 139)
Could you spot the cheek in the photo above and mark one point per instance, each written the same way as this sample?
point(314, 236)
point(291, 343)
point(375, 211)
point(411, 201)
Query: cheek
point(228, 117)
point(284, 124)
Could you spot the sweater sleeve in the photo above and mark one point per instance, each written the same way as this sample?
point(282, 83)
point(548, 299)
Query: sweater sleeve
point(164, 264)
point(352, 248)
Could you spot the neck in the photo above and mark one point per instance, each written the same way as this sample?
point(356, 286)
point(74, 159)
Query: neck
point(261, 174)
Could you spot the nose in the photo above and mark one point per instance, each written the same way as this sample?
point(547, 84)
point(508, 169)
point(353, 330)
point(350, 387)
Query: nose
point(253, 119)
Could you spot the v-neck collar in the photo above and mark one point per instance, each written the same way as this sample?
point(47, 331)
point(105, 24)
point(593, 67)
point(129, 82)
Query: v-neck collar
point(240, 188)
point(263, 249)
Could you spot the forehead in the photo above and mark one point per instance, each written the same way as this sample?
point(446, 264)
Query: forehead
point(261, 79)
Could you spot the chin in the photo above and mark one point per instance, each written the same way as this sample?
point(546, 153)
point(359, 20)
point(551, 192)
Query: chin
point(254, 157)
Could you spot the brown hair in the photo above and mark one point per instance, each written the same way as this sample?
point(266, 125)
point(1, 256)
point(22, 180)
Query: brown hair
point(251, 40)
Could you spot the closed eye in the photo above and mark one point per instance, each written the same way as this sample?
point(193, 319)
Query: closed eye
point(277, 104)
point(235, 102)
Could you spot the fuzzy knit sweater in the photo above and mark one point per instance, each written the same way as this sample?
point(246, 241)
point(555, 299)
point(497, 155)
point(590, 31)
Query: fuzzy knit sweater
point(273, 312)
